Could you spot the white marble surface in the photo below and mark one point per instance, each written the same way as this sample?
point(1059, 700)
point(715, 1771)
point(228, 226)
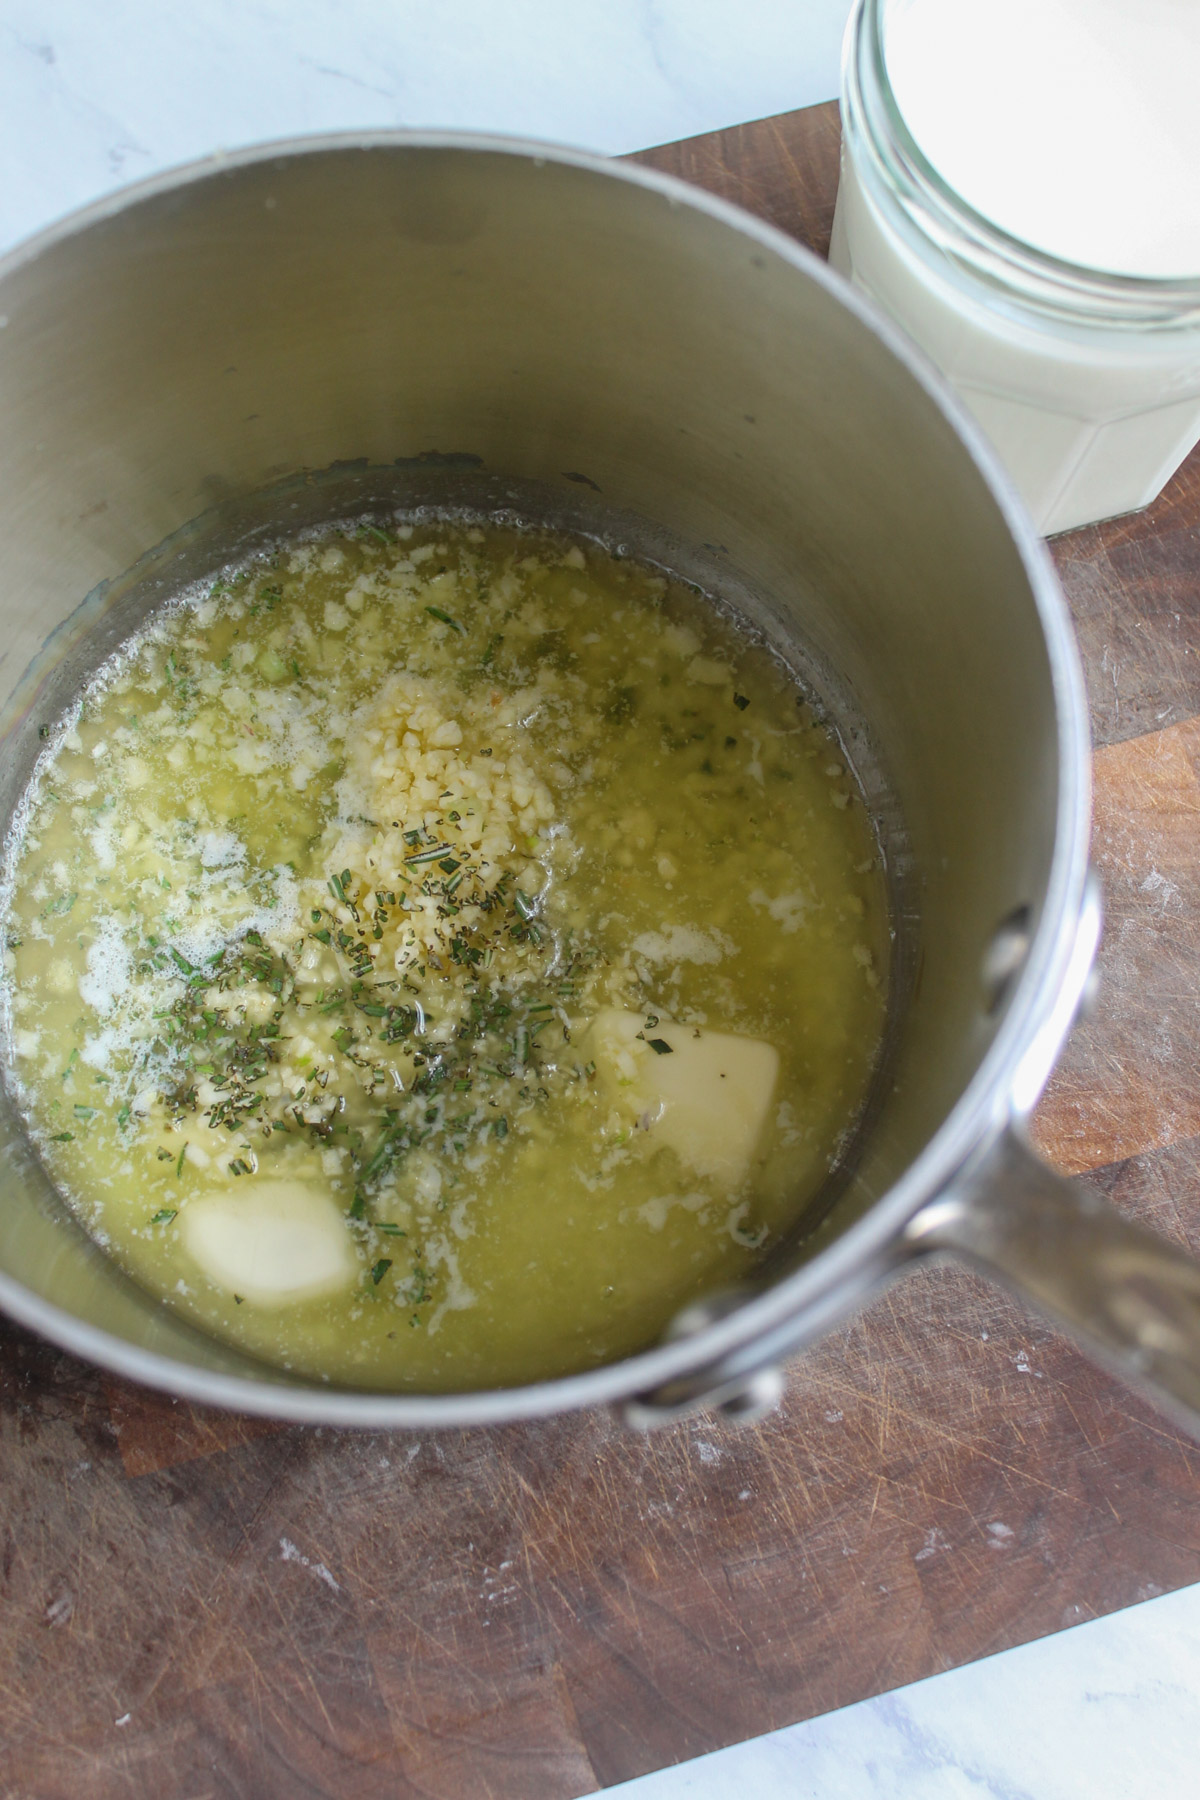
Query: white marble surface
point(1106, 1711)
point(92, 96)
point(95, 95)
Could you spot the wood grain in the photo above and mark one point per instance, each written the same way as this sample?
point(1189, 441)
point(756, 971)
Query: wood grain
point(784, 169)
point(154, 1431)
point(201, 1606)
point(543, 1610)
point(1129, 1081)
point(1131, 584)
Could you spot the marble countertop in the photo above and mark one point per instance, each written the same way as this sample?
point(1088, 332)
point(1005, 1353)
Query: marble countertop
point(92, 98)
point(1109, 1710)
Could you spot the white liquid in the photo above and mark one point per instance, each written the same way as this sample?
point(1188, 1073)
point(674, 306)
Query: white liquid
point(1072, 124)
point(1066, 122)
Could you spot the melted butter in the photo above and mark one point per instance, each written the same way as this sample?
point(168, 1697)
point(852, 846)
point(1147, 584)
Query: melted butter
point(437, 956)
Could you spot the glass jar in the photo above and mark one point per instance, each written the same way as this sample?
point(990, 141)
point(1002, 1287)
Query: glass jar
point(1087, 383)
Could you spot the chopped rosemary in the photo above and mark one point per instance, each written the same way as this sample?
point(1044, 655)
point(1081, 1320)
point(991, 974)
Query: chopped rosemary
point(435, 612)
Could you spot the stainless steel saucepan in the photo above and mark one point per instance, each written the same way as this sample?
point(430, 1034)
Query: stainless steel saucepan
point(304, 331)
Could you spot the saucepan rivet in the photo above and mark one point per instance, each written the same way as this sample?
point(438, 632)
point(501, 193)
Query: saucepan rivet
point(1090, 994)
point(1005, 955)
point(759, 1395)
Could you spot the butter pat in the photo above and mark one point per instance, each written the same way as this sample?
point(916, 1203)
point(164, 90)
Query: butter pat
point(272, 1242)
point(706, 1095)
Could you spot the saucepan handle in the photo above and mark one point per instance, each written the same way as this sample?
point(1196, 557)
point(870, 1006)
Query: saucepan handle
point(1125, 1292)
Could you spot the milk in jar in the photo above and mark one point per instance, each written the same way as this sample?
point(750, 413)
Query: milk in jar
point(1020, 189)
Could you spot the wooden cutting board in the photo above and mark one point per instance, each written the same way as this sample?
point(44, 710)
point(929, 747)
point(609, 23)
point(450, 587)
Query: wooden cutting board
point(194, 1605)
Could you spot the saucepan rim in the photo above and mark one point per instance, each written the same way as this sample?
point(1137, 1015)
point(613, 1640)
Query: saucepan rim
point(1016, 1062)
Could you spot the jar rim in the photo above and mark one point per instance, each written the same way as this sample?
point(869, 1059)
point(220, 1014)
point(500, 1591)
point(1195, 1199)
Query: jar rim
point(940, 214)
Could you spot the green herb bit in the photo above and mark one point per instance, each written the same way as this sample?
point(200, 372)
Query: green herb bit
point(164, 1215)
point(500, 1127)
point(165, 1155)
point(435, 612)
point(85, 1112)
point(179, 1164)
point(54, 909)
point(388, 1229)
point(741, 702)
point(63, 1137)
point(380, 1269)
point(659, 1046)
point(358, 1206)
